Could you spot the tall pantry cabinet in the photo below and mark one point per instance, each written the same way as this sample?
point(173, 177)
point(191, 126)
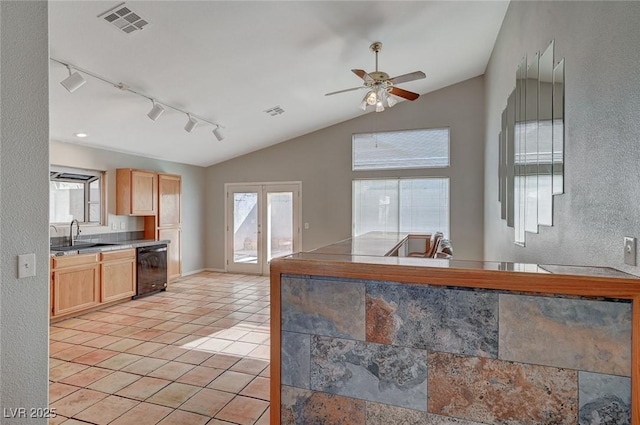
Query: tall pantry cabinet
point(170, 220)
point(157, 197)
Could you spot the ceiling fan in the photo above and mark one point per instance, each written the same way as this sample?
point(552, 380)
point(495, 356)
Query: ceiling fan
point(380, 86)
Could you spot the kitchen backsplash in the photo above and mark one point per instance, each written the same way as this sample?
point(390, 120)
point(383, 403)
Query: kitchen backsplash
point(100, 237)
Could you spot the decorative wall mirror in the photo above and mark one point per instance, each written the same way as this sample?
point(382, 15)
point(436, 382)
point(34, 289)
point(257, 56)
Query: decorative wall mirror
point(531, 145)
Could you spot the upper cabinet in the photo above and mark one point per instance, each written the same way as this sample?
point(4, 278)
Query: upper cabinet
point(169, 191)
point(136, 192)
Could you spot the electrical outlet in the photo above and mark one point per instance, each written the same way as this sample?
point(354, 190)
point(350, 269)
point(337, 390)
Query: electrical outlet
point(306, 226)
point(114, 225)
point(630, 251)
point(123, 225)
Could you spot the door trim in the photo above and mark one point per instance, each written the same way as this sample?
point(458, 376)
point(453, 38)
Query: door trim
point(297, 218)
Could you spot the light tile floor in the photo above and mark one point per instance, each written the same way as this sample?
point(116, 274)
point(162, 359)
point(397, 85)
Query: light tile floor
point(196, 354)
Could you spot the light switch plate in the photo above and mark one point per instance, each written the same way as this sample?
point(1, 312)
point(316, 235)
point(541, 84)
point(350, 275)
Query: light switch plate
point(630, 251)
point(26, 265)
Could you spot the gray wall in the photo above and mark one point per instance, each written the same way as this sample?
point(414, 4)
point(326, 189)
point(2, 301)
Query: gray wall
point(322, 162)
point(24, 215)
point(193, 204)
point(599, 41)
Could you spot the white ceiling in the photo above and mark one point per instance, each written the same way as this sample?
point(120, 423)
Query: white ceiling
point(229, 61)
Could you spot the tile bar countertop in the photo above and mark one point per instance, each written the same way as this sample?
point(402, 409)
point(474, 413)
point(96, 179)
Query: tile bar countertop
point(374, 248)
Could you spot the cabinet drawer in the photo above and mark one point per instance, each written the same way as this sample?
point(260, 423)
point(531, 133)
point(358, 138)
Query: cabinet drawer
point(118, 255)
point(74, 260)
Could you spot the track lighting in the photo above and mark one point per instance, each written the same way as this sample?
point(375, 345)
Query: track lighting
point(191, 124)
point(73, 82)
point(218, 133)
point(156, 111)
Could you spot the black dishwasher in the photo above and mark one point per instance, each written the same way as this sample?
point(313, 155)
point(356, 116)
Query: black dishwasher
point(151, 269)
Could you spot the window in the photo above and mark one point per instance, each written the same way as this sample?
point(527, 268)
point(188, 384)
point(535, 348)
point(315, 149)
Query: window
point(75, 194)
point(392, 150)
point(419, 205)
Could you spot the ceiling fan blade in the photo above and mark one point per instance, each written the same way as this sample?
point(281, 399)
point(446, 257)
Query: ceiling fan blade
point(345, 90)
point(362, 74)
point(418, 75)
point(409, 95)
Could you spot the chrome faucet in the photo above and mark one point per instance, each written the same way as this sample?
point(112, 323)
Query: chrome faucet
point(71, 238)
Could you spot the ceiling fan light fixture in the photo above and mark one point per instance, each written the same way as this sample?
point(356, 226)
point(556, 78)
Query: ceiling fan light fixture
point(371, 98)
point(391, 101)
point(191, 124)
point(156, 111)
point(379, 106)
point(73, 82)
point(218, 133)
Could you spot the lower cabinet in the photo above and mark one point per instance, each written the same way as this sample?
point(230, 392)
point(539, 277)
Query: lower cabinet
point(79, 282)
point(174, 260)
point(118, 275)
point(75, 283)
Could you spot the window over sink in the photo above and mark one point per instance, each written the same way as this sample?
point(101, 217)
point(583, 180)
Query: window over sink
point(76, 194)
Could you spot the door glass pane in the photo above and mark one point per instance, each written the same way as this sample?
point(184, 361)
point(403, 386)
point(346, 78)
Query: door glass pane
point(245, 227)
point(279, 224)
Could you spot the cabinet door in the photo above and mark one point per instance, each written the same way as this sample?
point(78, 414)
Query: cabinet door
point(174, 260)
point(143, 192)
point(75, 288)
point(118, 275)
point(169, 189)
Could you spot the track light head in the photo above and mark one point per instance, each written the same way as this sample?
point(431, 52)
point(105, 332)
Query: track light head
point(191, 124)
point(218, 133)
point(156, 111)
point(73, 82)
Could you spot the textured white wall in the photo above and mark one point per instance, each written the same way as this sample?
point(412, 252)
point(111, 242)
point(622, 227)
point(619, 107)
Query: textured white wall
point(193, 204)
point(322, 162)
point(24, 199)
point(602, 179)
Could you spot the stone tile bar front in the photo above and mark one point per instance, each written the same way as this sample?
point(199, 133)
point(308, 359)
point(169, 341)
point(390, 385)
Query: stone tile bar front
point(380, 340)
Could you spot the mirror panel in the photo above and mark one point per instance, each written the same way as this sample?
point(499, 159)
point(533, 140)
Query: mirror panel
point(530, 160)
point(558, 129)
point(502, 166)
point(509, 155)
point(531, 145)
point(519, 153)
point(545, 137)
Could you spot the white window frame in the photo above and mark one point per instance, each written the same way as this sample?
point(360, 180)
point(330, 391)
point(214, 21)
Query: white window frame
point(100, 176)
point(373, 136)
point(398, 179)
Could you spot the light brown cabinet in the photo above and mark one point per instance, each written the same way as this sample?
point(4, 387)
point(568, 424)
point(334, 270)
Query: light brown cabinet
point(169, 196)
point(136, 192)
point(75, 283)
point(158, 197)
point(170, 221)
point(118, 275)
point(174, 258)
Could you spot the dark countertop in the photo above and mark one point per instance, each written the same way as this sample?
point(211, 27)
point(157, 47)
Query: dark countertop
point(90, 248)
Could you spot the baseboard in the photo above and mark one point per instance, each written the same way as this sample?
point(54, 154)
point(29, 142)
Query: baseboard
point(203, 270)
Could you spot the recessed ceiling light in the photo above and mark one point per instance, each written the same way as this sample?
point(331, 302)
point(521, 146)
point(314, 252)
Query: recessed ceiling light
point(81, 134)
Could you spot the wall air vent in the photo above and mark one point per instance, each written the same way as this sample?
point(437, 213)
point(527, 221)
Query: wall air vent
point(276, 110)
point(124, 19)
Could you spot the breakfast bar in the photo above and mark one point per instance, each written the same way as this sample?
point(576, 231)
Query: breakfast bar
point(365, 336)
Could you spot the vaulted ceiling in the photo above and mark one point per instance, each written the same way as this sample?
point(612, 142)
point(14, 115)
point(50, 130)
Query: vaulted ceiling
point(230, 61)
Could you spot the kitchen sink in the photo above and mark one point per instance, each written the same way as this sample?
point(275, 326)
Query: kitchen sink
point(81, 246)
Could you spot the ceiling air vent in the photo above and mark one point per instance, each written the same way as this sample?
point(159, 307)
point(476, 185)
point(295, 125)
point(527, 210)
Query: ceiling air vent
point(124, 19)
point(276, 110)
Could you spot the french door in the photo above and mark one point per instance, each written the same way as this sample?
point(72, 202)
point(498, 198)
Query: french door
point(263, 222)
